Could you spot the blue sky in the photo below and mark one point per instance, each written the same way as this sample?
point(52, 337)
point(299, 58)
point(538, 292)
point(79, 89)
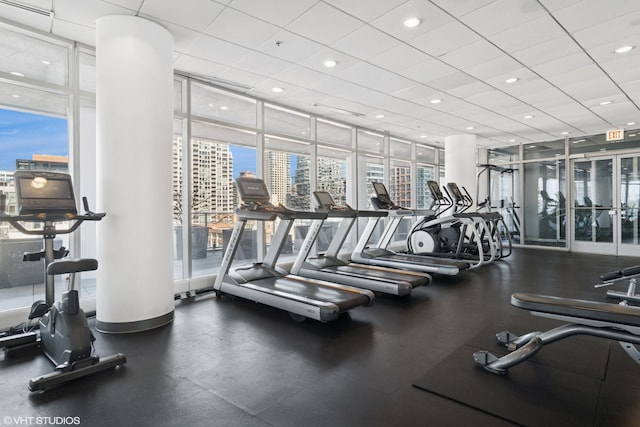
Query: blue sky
point(24, 134)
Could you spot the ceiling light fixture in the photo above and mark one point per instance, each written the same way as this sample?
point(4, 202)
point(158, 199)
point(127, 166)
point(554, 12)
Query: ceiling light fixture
point(412, 22)
point(528, 116)
point(15, 95)
point(512, 140)
point(423, 136)
point(45, 62)
point(564, 133)
point(470, 128)
point(605, 103)
point(277, 89)
point(224, 107)
point(511, 80)
point(436, 101)
point(15, 73)
point(380, 116)
point(631, 123)
point(330, 63)
point(623, 49)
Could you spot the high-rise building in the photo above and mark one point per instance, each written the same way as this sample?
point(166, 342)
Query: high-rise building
point(400, 186)
point(278, 175)
point(212, 179)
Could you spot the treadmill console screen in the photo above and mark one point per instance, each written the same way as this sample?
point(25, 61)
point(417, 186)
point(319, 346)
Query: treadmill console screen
point(44, 192)
point(455, 191)
point(435, 190)
point(382, 194)
point(252, 190)
point(323, 198)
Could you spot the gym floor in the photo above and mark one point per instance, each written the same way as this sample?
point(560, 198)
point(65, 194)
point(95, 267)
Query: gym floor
point(234, 363)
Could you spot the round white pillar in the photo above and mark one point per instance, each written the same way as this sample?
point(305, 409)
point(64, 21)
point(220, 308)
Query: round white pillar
point(460, 161)
point(134, 109)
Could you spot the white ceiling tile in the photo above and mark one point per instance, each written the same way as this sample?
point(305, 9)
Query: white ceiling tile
point(593, 90)
point(277, 12)
point(590, 13)
point(415, 92)
point(262, 64)
point(617, 113)
point(324, 24)
point(217, 50)
point(242, 77)
point(528, 34)
point(470, 89)
point(461, 7)
point(366, 10)
point(129, 4)
point(365, 43)
point(544, 97)
point(560, 70)
point(554, 5)
point(399, 58)
point(194, 14)
point(199, 66)
point(541, 53)
point(430, 15)
point(300, 76)
point(472, 54)
point(182, 37)
point(497, 66)
point(429, 69)
point(611, 34)
point(73, 31)
point(490, 19)
point(232, 25)
point(451, 81)
point(288, 46)
point(446, 38)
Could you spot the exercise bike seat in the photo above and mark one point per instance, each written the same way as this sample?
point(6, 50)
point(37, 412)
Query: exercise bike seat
point(591, 310)
point(76, 265)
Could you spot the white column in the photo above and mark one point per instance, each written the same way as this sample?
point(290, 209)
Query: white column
point(134, 108)
point(460, 161)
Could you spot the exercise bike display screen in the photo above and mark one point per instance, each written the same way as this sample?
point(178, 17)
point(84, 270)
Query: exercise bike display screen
point(50, 193)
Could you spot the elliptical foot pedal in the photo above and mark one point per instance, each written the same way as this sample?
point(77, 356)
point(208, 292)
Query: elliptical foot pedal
point(484, 359)
point(55, 378)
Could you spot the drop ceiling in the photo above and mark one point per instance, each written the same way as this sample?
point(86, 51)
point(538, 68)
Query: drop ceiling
point(461, 53)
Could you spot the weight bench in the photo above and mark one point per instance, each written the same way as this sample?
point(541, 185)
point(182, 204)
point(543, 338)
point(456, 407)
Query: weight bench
point(629, 274)
point(618, 322)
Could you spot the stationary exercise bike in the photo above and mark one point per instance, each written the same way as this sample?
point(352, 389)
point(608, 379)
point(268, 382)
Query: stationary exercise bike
point(63, 333)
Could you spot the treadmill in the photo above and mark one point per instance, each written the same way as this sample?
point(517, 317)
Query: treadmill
point(379, 255)
point(266, 283)
point(329, 266)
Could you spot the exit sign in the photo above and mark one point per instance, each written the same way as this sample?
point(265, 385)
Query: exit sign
point(615, 135)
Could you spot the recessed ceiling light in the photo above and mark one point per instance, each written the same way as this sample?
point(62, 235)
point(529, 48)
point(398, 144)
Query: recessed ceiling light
point(470, 128)
point(224, 107)
point(564, 133)
point(412, 22)
point(330, 63)
point(423, 136)
point(436, 101)
point(210, 105)
point(277, 89)
point(15, 95)
point(512, 140)
point(380, 116)
point(623, 49)
point(45, 62)
point(511, 80)
point(531, 146)
point(15, 73)
point(631, 123)
point(631, 135)
point(528, 116)
point(605, 103)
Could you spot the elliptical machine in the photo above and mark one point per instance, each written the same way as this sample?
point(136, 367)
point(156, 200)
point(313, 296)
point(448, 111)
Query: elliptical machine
point(63, 333)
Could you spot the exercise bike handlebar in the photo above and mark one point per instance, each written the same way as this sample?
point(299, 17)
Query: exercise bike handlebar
point(17, 220)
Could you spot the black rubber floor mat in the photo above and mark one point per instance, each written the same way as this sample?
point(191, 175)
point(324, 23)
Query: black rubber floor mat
point(532, 394)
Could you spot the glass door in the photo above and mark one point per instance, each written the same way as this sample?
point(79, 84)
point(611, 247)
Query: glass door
point(629, 184)
point(606, 198)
